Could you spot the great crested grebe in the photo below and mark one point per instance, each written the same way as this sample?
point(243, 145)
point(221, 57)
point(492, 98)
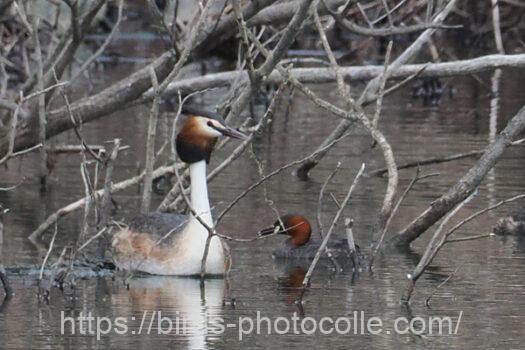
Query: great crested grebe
point(511, 225)
point(299, 245)
point(143, 247)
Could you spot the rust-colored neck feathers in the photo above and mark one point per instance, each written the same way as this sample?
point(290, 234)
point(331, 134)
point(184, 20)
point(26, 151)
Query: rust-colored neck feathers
point(298, 228)
point(193, 145)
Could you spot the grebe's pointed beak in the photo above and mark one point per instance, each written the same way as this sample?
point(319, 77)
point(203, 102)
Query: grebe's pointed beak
point(231, 132)
point(268, 231)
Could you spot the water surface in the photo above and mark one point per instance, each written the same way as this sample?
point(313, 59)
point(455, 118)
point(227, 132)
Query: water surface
point(487, 289)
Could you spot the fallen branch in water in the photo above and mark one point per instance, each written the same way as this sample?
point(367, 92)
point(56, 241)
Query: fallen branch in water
point(483, 211)
point(432, 249)
point(377, 247)
point(352, 73)
point(322, 247)
point(465, 186)
point(440, 237)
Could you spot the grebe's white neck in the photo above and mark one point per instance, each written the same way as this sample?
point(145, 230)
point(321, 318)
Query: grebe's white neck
point(199, 195)
point(193, 239)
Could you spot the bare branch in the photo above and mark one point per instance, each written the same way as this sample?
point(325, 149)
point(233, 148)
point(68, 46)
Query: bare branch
point(465, 186)
point(102, 47)
point(150, 146)
point(322, 247)
point(432, 249)
point(122, 185)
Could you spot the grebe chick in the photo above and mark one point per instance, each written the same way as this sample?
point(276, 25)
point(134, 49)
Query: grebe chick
point(511, 225)
point(145, 244)
point(299, 245)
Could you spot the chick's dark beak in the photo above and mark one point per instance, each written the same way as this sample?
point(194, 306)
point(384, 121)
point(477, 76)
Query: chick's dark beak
point(231, 132)
point(267, 231)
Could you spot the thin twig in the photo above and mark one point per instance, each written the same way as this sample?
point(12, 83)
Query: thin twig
point(322, 247)
point(497, 26)
point(41, 106)
point(74, 122)
point(272, 174)
point(483, 211)
point(320, 199)
point(354, 255)
point(88, 191)
point(102, 47)
point(415, 179)
point(437, 160)
point(51, 244)
point(150, 145)
point(433, 248)
point(105, 205)
point(91, 239)
point(470, 238)
point(381, 93)
point(427, 301)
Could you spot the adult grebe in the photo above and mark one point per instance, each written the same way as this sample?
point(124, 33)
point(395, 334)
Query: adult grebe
point(511, 225)
point(299, 245)
point(143, 247)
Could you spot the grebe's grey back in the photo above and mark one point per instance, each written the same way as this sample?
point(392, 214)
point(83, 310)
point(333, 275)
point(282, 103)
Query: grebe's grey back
point(158, 223)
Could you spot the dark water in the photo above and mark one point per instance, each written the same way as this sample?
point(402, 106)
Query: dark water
point(488, 289)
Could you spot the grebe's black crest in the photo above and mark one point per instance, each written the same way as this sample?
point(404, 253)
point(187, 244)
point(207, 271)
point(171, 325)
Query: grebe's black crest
point(196, 111)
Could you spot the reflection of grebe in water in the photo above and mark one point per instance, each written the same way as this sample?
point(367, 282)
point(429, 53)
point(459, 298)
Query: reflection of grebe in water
point(193, 305)
point(511, 225)
point(143, 247)
point(291, 281)
point(299, 245)
point(294, 277)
